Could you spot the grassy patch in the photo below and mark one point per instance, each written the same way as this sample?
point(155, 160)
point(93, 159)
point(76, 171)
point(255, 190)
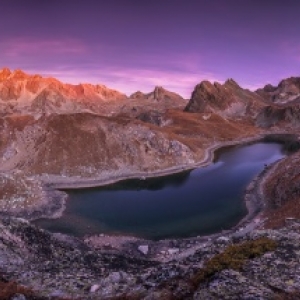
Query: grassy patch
point(287, 296)
point(9, 289)
point(233, 257)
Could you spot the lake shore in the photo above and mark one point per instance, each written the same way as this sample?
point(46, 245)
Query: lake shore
point(54, 201)
point(254, 204)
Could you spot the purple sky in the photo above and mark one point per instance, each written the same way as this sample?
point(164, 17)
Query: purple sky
point(134, 45)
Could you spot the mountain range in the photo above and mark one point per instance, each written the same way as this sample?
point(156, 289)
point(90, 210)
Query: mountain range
point(22, 93)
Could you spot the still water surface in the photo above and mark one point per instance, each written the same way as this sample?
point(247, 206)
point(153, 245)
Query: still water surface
point(202, 201)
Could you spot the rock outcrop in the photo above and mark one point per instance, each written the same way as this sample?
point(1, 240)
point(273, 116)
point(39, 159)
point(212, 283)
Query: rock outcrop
point(288, 90)
point(283, 115)
point(284, 104)
point(228, 100)
point(282, 191)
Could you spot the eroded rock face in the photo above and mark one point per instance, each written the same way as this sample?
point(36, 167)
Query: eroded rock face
point(154, 117)
point(282, 191)
point(285, 115)
point(228, 100)
point(288, 90)
point(284, 107)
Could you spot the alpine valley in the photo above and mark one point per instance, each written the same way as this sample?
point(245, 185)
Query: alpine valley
point(58, 136)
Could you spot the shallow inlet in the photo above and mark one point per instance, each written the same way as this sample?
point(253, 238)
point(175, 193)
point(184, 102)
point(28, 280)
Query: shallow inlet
point(202, 201)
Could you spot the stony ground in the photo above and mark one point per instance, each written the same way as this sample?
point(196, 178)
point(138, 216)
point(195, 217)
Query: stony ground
point(65, 267)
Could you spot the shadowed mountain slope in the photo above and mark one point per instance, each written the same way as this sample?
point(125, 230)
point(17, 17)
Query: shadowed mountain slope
point(288, 90)
point(227, 100)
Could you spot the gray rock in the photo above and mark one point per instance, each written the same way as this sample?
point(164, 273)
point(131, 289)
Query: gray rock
point(173, 251)
point(94, 288)
point(18, 297)
point(55, 265)
point(223, 239)
point(116, 277)
point(144, 249)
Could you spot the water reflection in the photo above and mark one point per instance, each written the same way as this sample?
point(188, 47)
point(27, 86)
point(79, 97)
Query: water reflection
point(151, 184)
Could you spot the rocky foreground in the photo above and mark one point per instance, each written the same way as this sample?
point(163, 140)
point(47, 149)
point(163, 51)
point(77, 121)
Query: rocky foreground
point(263, 264)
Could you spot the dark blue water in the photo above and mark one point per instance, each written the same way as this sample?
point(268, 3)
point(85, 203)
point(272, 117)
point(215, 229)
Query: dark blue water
point(202, 201)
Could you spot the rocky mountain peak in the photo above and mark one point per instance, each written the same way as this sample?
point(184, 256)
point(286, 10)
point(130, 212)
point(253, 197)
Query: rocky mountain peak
point(158, 94)
point(137, 95)
point(158, 90)
point(19, 74)
point(204, 85)
point(269, 88)
point(231, 82)
point(291, 86)
point(4, 74)
point(287, 90)
point(227, 99)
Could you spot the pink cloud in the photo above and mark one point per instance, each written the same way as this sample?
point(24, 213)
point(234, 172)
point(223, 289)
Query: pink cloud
point(129, 80)
point(182, 82)
point(27, 46)
point(179, 73)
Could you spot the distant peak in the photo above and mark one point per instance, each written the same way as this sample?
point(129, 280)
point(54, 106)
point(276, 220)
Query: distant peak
point(230, 81)
point(269, 88)
point(205, 84)
point(18, 74)
point(137, 93)
point(289, 81)
point(159, 89)
point(5, 70)
point(5, 73)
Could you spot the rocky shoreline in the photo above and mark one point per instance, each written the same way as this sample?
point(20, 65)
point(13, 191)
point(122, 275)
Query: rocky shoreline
point(54, 200)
